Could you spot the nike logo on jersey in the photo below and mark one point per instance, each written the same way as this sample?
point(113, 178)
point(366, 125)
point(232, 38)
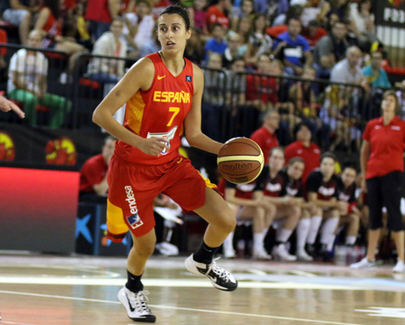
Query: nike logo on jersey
point(161, 77)
point(180, 160)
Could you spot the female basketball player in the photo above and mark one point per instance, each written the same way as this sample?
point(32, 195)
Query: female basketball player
point(163, 94)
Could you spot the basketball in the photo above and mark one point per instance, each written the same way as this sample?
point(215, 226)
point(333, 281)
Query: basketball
point(240, 160)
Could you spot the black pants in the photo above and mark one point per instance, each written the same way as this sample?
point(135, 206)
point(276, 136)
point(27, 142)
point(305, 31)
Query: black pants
point(385, 191)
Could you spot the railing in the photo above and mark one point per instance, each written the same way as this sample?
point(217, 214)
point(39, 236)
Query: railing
point(233, 102)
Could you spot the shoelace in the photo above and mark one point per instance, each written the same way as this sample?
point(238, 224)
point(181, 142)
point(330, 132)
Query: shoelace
point(140, 300)
point(219, 271)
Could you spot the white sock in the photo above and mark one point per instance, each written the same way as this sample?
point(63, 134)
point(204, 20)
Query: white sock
point(228, 243)
point(283, 234)
point(302, 232)
point(328, 232)
point(313, 230)
point(350, 240)
point(258, 240)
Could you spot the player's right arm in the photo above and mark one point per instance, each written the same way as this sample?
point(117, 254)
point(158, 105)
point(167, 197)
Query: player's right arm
point(139, 77)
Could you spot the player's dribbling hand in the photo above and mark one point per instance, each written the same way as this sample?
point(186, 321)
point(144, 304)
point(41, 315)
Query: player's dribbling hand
point(154, 146)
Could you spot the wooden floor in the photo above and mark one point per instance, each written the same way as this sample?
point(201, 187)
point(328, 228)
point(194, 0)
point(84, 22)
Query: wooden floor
point(50, 290)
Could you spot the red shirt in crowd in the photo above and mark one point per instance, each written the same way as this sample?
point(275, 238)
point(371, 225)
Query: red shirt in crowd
point(311, 156)
point(387, 143)
point(92, 173)
point(98, 10)
point(216, 16)
point(263, 88)
point(266, 141)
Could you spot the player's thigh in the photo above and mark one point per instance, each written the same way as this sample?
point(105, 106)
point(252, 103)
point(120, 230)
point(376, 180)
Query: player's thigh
point(331, 213)
point(246, 213)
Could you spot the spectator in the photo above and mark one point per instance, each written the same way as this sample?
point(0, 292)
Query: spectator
point(218, 14)
point(100, 14)
point(49, 22)
point(246, 10)
point(195, 48)
point(217, 43)
point(19, 13)
point(200, 19)
point(93, 175)
point(3, 50)
point(304, 148)
point(260, 41)
point(244, 30)
point(139, 26)
point(233, 50)
point(374, 73)
point(293, 48)
point(27, 83)
point(266, 136)
point(313, 33)
point(362, 21)
point(348, 70)
point(382, 164)
point(109, 44)
point(333, 45)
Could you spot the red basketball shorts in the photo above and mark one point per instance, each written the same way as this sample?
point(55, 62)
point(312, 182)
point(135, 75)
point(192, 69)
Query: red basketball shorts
point(132, 189)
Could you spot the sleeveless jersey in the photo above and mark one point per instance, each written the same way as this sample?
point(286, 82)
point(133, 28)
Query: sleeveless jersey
point(159, 111)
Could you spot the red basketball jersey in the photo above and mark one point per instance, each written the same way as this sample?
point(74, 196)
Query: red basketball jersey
point(159, 111)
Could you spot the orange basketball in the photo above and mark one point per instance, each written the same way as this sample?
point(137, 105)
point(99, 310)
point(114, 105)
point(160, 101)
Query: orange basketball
point(240, 160)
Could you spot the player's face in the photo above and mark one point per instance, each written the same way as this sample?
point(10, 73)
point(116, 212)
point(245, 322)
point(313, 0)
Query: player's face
point(172, 33)
point(296, 170)
point(388, 105)
point(327, 167)
point(348, 176)
point(276, 161)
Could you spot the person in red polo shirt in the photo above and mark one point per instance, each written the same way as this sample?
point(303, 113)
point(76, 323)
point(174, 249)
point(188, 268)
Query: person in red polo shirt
point(218, 14)
point(381, 161)
point(305, 149)
point(93, 175)
point(266, 136)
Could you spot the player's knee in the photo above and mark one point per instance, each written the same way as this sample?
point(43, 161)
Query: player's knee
point(145, 250)
point(226, 221)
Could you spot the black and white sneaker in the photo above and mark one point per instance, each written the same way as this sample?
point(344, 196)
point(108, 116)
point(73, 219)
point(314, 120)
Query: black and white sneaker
point(136, 305)
point(219, 277)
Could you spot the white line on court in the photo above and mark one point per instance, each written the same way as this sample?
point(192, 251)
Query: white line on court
point(303, 320)
point(177, 283)
point(14, 323)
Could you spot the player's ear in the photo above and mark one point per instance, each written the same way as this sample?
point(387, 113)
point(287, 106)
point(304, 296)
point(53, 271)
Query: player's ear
point(188, 33)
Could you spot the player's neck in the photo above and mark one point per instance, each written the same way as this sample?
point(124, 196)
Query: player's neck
point(174, 62)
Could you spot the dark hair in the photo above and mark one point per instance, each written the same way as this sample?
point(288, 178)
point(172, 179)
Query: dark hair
point(349, 166)
point(296, 159)
point(298, 127)
point(53, 6)
point(179, 10)
point(329, 154)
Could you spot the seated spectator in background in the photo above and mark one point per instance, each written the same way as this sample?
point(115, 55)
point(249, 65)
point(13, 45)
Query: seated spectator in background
point(322, 71)
point(93, 175)
point(236, 84)
point(245, 10)
point(100, 14)
point(194, 49)
point(304, 148)
point(27, 83)
point(200, 16)
point(333, 45)
point(244, 29)
point(139, 26)
point(217, 43)
point(19, 13)
point(218, 14)
point(346, 192)
point(109, 44)
point(313, 33)
point(374, 73)
point(292, 48)
point(362, 22)
point(233, 50)
point(348, 70)
point(50, 22)
point(7, 106)
point(260, 41)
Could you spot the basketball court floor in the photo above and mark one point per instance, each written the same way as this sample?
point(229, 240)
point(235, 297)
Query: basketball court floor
point(52, 290)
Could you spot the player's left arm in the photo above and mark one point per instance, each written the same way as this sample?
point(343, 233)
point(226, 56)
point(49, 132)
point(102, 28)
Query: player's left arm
point(192, 122)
